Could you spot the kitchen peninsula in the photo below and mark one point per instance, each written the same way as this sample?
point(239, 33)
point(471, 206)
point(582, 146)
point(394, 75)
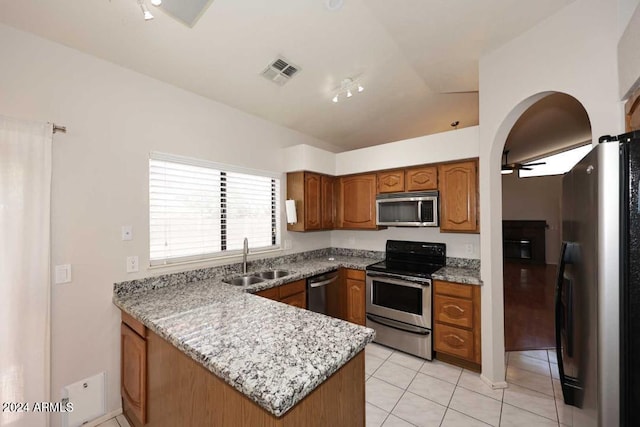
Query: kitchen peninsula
point(209, 353)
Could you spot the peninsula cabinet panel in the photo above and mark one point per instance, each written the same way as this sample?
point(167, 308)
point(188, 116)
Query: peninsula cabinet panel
point(297, 300)
point(421, 179)
point(183, 393)
point(357, 201)
point(391, 181)
point(327, 202)
point(459, 196)
point(133, 375)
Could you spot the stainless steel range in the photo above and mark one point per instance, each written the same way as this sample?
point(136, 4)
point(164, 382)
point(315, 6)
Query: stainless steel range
point(399, 295)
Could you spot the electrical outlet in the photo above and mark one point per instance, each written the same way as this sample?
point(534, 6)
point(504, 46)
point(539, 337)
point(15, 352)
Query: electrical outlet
point(132, 264)
point(288, 244)
point(468, 249)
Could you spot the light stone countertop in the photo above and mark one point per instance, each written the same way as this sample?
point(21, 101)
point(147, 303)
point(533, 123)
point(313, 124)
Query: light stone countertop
point(273, 353)
point(469, 276)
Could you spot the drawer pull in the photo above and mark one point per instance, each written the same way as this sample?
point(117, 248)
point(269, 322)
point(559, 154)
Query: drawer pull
point(453, 311)
point(453, 341)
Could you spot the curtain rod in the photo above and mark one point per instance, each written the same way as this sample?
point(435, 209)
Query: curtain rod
point(62, 129)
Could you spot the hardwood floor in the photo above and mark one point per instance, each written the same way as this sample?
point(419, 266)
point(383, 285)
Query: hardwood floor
point(528, 306)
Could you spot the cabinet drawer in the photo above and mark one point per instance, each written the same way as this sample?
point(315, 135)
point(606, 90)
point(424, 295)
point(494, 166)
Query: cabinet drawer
point(454, 341)
point(297, 300)
point(292, 288)
point(355, 274)
point(454, 311)
point(271, 293)
point(453, 289)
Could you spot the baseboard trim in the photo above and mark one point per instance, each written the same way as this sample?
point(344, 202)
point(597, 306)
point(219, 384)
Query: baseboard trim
point(496, 385)
point(103, 418)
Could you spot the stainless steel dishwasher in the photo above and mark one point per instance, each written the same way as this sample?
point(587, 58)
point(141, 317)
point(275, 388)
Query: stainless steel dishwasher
point(317, 291)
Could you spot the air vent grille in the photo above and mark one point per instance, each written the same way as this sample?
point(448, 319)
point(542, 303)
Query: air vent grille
point(280, 71)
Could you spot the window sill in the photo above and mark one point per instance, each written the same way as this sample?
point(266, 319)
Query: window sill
point(213, 261)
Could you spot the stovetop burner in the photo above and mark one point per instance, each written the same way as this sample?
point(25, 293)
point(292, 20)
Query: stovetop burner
point(419, 259)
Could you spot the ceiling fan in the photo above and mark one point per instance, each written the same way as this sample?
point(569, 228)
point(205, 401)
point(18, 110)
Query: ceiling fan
point(510, 167)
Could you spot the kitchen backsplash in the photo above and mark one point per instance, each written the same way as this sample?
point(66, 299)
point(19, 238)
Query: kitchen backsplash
point(156, 282)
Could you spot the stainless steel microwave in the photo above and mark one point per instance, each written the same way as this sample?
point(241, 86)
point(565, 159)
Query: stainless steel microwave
point(413, 209)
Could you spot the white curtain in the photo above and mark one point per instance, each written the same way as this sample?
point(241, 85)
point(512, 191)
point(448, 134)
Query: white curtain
point(25, 192)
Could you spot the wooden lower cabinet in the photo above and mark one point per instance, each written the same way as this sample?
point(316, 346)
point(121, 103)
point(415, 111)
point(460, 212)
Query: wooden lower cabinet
point(456, 323)
point(355, 296)
point(183, 393)
point(294, 293)
point(133, 372)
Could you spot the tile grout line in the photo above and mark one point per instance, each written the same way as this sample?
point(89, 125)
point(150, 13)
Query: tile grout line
point(405, 391)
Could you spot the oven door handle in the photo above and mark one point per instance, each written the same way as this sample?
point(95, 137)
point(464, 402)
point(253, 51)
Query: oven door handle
point(401, 282)
point(398, 325)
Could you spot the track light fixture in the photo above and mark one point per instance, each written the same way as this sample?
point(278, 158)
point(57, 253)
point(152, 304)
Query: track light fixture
point(148, 16)
point(347, 88)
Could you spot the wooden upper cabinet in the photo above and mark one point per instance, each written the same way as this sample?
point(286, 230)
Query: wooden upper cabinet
point(422, 178)
point(314, 197)
point(357, 201)
point(632, 112)
point(327, 201)
point(459, 196)
point(312, 203)
point(391, 181)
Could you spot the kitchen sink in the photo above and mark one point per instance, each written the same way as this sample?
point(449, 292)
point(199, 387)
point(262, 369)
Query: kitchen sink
point(244, 280)
point(271, 274)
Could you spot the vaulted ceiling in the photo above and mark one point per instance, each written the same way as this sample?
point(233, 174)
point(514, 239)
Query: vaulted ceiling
point(416, 59)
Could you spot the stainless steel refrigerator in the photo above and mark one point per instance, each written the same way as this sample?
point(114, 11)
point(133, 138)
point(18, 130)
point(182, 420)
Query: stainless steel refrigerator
point(598, 285)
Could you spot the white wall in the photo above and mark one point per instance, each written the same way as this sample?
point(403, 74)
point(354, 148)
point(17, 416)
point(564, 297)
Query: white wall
point(114, 118)
point(573, 51)
point(440, 147)
point(308, 158)
point(628, 58)
point(535, 198)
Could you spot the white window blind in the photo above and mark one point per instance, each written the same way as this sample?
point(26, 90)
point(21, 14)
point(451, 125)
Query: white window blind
point(199, 209)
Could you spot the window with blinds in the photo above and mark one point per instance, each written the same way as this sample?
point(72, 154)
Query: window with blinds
point(199, 209)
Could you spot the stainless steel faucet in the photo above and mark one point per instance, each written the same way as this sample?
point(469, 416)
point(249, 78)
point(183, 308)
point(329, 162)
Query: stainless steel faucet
point(245, 251)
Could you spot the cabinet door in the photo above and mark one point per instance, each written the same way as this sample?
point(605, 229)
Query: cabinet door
point(327, 200)
point(297, 300)
point(356, 301)
point(420, 179)
point(454, 311)
point(459, 196)
point(312, 207)
point(271, 293)
point(133, 373)
point(391, 181)
point(357, 206)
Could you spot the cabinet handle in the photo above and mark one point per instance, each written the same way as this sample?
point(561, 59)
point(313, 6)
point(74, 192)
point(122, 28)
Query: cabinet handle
point(453, 311)
point(453, 340)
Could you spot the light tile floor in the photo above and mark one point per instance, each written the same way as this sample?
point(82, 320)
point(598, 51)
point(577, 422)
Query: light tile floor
point(402, 390)
point(119, 421)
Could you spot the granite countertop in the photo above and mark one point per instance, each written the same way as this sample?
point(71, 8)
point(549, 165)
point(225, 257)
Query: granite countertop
point(470, 276)
point(273, 353)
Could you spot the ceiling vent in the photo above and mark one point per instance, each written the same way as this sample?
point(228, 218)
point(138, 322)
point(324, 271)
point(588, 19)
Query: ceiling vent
point(280, 71)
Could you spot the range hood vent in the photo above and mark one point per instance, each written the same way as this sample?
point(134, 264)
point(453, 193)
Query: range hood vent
point(280, 71)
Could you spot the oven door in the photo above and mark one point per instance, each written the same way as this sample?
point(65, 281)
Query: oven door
point(400, 298)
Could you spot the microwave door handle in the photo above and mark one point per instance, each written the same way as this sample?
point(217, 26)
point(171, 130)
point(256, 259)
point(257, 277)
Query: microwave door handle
point(419, 210)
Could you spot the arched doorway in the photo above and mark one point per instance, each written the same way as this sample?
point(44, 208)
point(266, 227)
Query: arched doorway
point(531, 221)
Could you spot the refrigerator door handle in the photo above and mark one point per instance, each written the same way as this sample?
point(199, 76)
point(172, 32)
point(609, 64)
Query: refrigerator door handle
point(560, 311)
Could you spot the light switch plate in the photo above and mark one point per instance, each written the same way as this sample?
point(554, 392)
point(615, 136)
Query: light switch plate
point(132, 264)
point(63, 274)
point(127, 232)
